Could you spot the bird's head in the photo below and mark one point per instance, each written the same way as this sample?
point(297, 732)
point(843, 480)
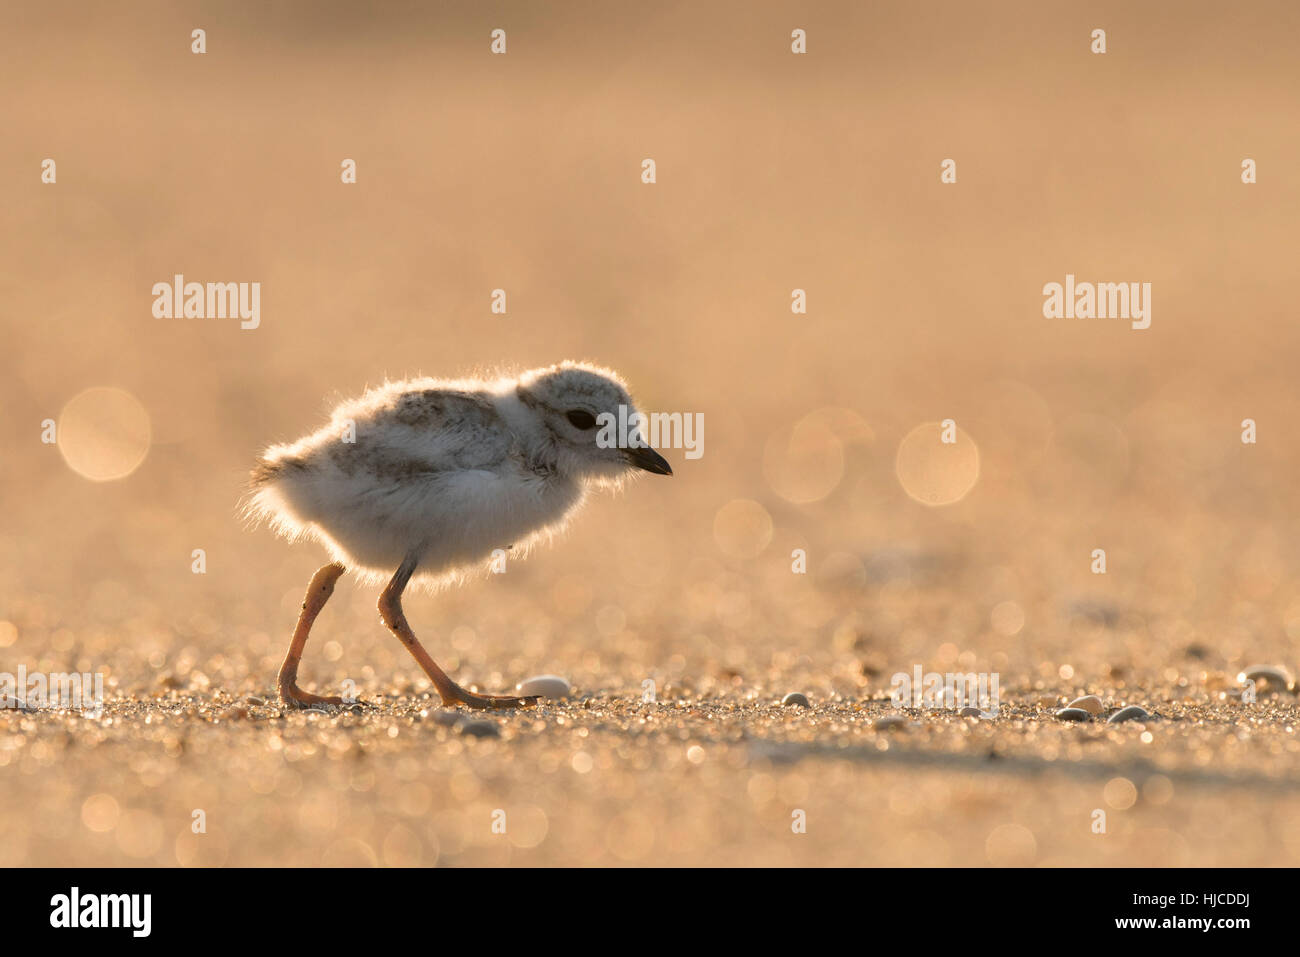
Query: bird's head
point(596, 431)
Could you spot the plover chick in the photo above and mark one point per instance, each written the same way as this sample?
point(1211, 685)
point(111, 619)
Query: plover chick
point(425, 478)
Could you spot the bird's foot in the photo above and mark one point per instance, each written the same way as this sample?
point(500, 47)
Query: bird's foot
point(294, 697)
point(486, 702)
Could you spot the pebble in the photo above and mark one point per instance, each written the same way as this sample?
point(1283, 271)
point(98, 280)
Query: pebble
point(889, 722)
point(1073, 714)
point(254, 700)
point(1089, 703)
point(548, 686)
point(796, 698)
point(1131, 713)
point(1274, 677)
point(969, 712)
point(478, 728)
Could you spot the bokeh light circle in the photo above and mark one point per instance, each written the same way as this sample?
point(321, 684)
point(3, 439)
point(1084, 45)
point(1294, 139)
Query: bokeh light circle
point(935, 472)
point(104, 434)
point(742, 528)
point(805, 463)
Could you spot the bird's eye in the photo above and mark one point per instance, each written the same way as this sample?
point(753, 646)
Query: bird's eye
point(581, 418)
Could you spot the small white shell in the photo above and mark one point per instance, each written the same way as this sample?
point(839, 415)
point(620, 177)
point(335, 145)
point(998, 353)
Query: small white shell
point(1275, 677)
point(1131, 713)
point(548, 686)
point(1073, 714)
point(1089, 703)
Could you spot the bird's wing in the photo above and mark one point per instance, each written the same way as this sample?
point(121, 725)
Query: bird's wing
point(430, 430)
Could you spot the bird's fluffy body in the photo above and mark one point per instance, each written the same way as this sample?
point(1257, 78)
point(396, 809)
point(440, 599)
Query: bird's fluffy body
point(445, 471)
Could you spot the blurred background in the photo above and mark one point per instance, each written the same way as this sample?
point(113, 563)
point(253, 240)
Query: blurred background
point(775, 172)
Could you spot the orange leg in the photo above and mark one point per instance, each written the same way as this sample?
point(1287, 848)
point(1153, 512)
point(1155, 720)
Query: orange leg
point(318, 593)
point(390, 612)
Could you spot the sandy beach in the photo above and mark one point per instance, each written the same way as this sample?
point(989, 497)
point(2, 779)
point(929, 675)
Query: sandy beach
point(826, 539)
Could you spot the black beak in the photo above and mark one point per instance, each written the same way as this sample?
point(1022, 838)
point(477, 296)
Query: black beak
point(646, 458)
